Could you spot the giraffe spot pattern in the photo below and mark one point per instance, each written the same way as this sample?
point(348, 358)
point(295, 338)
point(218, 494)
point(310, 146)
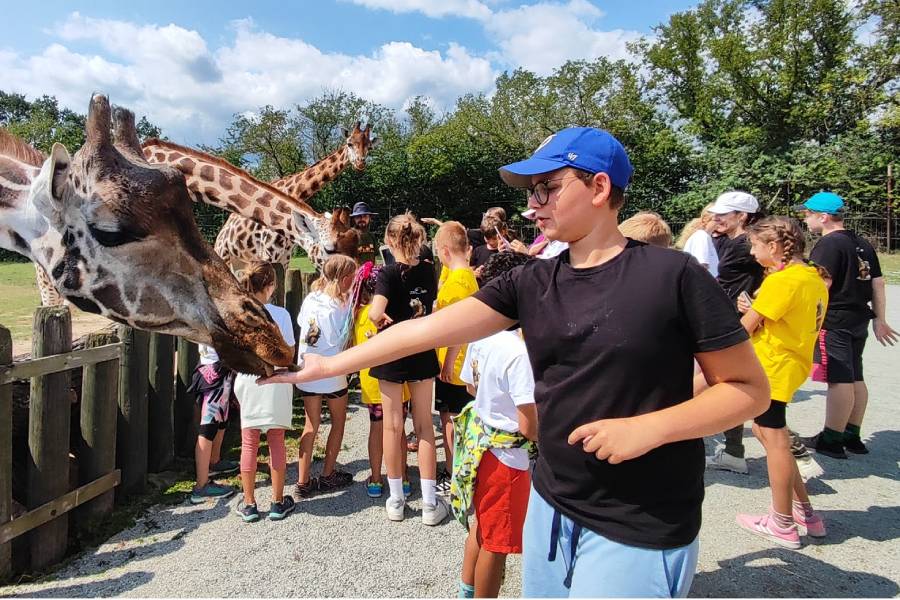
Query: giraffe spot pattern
point(207, 173)
point(225, 180)
point(187, 164)
point(247, 188)
point(238, 201)
point(109, 296)
point(265, 200)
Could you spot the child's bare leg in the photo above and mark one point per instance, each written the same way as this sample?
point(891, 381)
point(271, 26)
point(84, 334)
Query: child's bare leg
point(422, 392)
point(312, 407)
point(781, 465)
point(800, 493)
point(337, 407)
point(470, 556)
point(277, 462)
point(392, 407)
point(249, 450)
point(376, 449)
point(447, 430)
point(202, 451)
point(488, 573)
point(216, 453)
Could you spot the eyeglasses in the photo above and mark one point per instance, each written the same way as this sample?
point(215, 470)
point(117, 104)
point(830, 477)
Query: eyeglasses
point(541, 192)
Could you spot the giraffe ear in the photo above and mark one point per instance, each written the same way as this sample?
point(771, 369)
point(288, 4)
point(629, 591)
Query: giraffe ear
point(345, 132)
point(59, 170)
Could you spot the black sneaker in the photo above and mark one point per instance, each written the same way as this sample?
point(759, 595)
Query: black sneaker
point(305, 490)
point(280, 510)
point(832, 449)
point(224, 467)
point(247, 512)
point(335, 481)
point(855, 445)
point(443, 483)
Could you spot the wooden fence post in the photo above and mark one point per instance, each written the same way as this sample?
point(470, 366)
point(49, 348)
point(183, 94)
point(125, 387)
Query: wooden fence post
point(132, 429)
point(50, 408)
point(278, 296)
point(293, 296)
point(5, 451)
point(161, 450)
point(97, 451)
point(185, 428)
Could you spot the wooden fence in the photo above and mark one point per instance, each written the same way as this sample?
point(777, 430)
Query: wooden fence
point(135, 416)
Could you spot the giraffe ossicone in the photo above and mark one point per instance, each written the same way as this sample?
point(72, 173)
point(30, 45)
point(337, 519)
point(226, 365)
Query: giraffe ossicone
point(116, 236)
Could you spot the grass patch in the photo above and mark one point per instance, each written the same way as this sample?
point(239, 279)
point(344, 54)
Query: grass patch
point(890, 267)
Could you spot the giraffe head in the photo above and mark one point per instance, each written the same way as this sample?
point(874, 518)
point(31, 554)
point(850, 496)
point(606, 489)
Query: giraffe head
point(118, 238)
point(359, 142)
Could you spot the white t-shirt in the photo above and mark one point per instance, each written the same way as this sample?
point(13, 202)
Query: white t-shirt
point(324, 329)
point(267, 406)
point(700, 246)
point(208, 354)
point(498, 367)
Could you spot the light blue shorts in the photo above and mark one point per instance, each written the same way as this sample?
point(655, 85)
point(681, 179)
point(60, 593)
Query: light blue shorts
point(603, 568)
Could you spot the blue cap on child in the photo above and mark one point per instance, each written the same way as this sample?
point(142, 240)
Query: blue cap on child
point(823, 202)
point(585, 148)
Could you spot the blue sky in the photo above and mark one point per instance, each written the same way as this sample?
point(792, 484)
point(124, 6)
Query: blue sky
point(189, 66)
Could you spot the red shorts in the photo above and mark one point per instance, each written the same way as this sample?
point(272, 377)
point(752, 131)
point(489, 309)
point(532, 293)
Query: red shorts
point(501, 499)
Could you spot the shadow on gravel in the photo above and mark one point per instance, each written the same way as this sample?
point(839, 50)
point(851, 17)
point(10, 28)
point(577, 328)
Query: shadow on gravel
point(795, 575)
point(94, 589)
point(91, 563)
point(877, 524)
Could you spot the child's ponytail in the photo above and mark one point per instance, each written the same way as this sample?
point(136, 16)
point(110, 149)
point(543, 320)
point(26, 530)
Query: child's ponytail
point(334, 270)
point(406, 234)
point(257, 277)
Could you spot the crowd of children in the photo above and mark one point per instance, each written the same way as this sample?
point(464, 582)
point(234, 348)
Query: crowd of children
point(518, 354)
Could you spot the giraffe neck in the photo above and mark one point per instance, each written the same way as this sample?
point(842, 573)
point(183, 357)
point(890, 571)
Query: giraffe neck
point(306, 183)
point(21, 223)
point(214, 181)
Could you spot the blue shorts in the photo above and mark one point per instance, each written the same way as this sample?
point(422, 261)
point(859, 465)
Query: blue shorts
point(603, 568)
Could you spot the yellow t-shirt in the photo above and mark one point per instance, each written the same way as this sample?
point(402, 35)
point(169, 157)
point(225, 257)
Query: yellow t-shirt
point(460, 283)
point(793, 303)
point(445, 272)
point(363, 329)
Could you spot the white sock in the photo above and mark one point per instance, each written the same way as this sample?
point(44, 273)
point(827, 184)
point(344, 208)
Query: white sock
point(428, 492)
point(396, 488)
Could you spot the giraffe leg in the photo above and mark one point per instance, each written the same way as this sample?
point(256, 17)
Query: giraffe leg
point(49, 295)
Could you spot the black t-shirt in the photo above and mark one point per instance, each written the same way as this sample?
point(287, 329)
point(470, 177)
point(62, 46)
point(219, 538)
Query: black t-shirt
point(617, 340)
point(738, 270)
point(481, 254)
point(410, 292)
point(852, 263)
point(365, 249)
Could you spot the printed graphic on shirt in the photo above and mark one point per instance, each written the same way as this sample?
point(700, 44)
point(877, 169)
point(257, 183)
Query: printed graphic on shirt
point(417, 307)
point(820, 315)
point(314, 333)
point(476, 375)
point(865, 272)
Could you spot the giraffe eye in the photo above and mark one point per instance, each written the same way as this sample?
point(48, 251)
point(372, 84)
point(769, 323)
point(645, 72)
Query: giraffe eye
point(112, 238)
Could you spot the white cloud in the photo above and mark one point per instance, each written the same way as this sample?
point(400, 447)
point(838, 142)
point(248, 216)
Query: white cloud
point(472, 9)
point(169, 74)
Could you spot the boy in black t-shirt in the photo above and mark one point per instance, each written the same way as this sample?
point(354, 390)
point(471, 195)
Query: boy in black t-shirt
point(612, 328)
point(856, 283)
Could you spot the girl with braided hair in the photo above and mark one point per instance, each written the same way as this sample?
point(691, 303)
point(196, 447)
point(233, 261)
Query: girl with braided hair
point(784, 322)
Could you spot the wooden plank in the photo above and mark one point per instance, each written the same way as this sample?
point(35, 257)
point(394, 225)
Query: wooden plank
point(185, 425)
point(293, 296)
point(58, 507)
point(99, 410)
point(48, 435)
point(5, 452)
point(161, 445)
point(132, 426)
point(59, 362)
point(278, 295)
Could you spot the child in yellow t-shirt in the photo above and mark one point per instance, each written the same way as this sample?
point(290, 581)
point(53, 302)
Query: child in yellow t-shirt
point(452, 246)
point(363, 329)
point(784, 322)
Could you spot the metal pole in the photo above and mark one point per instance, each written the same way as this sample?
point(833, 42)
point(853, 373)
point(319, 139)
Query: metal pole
point(890, 190)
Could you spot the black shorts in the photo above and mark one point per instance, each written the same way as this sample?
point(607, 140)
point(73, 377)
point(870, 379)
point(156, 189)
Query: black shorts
point(840, 353)
point(775, 416)
point(417, 367)
point(450, 398)
point(209, 430)
point(325, 396)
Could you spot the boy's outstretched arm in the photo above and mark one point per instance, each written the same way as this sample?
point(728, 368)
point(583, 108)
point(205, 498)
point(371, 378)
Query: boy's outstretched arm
point(738, 391)
point(460, 323)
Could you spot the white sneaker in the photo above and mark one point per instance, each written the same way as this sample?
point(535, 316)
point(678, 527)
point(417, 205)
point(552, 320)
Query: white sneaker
point(395, 508)
point(725, 462)
point(809, 468)
point(434, 514)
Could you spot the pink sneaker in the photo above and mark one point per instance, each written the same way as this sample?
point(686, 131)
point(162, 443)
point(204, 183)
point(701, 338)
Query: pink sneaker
point(765, 527)
point(813, 526)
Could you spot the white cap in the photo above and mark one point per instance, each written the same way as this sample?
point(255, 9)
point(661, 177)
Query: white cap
point(735, 202)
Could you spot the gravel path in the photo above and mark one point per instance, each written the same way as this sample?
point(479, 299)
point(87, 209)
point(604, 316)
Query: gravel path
point(341, 544)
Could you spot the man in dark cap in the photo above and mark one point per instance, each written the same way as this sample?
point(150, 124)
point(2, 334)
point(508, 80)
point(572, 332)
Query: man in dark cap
point(361, 217)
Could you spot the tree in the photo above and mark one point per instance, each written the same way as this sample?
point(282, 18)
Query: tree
point(267, 142)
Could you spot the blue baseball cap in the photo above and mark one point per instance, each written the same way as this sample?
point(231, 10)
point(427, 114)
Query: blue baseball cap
point(822, 202)
point(585, 148)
